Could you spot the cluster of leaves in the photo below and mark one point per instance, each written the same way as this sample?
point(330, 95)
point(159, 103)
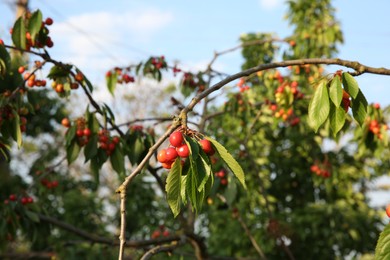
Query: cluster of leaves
point(327, 103)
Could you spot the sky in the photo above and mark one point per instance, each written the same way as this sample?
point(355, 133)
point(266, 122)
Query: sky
point(98, 35)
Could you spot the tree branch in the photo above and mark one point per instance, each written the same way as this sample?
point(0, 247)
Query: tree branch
point(102, 240)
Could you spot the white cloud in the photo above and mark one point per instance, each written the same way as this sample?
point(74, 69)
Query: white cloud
point(270, 4)
point(97, 40)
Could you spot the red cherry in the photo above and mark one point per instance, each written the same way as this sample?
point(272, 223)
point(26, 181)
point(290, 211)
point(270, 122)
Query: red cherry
point(377, 106)
point(54, 184)
point(79, 132)
point(176, 139)
point(162, 156)
point(221, 174)
point(30, 200)
point(49, 21)
point(183, 151)
point(111, 147)
point(167, 165)
point(224, 182)
point(171, 154)
point(21, 69)
point(12, 197)
point(116, 139)
point(87, 132)
point(388, 210)
point(207, 147)
point(165, 233)
point(155, 234)
point(24, 200)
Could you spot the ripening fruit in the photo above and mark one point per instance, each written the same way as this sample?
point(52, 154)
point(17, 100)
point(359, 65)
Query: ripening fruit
point(49, 21)
point(388, 210)
point(12, 197)
point(167, 165)
point(176, 139)
point(155, 234)
point(171, 154)
point(87, 132)
point(183, 150)
point(21, 69)
point(79, 132)
point(207, 147)
point(162, 156)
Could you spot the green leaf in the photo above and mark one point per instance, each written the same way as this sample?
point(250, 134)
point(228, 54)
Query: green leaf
point(19, 34)
point(93, 123)
point(229, 160)
point(90, 150)
point(72, 151)
point(336, 118)
point(35, 24)
point(32, 216)
point(193, 147)
point(350, 84)
point(183, 191)
point(336, 91)
point(70, 134)
point(173, 187)
point(118, 161)
point(16, 131)
point(203, 166)
point(111, 81)
point(59, 71)
point(382, 250)
point(359, 108)
point(319, 106)
point(108, 109)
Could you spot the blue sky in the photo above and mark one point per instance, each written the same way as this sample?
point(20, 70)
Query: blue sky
point(97, 35)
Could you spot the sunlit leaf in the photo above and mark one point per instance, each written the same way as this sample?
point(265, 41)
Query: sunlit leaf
point(229, 160)
point(350, 84)
point(382, 250)
point(319, 106)
point(173, 187)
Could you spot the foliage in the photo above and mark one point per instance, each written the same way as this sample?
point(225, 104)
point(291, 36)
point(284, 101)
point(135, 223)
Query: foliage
point(285, 157)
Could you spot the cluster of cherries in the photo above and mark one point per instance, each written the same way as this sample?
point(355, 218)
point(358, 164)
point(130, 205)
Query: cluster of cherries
point(178, 148)
point(43, 39)
point(321, 169)
point(49, 184)
point(242, 86)
point(23, 200)
point(106, 142)
point(221, 174)
point(83, 133)
point(7, 114)
point(30, 79)
point(59, 86)
point(159, 62)
point(160, 232)
point(122, 76)
point(375, 126)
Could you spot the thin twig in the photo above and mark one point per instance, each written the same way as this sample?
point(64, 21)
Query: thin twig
point(251, 238)
point(162, 248)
